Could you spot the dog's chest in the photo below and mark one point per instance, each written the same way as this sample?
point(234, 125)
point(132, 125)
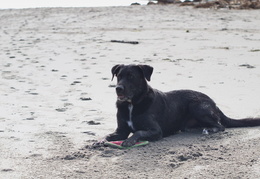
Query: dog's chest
point(130, 121)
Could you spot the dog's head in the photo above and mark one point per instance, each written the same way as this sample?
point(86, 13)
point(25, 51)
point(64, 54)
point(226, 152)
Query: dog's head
point(131, 80)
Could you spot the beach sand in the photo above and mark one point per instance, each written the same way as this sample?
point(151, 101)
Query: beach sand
point(57, 96)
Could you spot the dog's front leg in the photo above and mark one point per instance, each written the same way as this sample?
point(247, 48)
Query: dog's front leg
point(111, 137)
point(121, 133)
point(149, 135)
point(117, 136)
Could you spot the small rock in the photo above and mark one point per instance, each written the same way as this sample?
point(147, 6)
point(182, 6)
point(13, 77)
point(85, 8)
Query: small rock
point(61, 109)
point(89, 133)
point(112, 86)
point(75, 82)
point(7, 170)
point(69, 157)
point(85, 99)
point(29, 118)
point(135, 4)
point(247, 66)
point(93, 123)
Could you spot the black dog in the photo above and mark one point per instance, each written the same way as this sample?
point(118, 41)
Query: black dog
point(151, 114)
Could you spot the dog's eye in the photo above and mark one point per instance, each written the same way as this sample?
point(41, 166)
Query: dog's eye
point(119, 76)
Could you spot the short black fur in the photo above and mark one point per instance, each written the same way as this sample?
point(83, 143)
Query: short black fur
point(151, 114)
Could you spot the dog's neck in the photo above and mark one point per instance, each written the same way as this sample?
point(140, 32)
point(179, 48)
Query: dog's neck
point(139, 98)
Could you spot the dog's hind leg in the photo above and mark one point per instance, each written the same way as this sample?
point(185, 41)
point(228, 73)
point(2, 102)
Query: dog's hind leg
point(207, 131)
point(211, 125)
point(208, 117)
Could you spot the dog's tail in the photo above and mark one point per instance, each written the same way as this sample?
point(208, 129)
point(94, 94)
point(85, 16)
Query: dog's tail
point(246, 122)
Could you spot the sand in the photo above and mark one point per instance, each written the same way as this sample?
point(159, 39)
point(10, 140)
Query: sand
point(57, 96)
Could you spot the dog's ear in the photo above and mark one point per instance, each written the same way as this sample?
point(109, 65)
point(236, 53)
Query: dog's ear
point(115, 70)
point(147, 71)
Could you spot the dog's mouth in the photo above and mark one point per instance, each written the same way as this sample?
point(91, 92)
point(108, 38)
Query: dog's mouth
point(123, 98)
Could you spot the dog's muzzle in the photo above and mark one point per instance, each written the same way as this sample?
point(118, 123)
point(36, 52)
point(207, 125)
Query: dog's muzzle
point(120, 93)
point(119, 89)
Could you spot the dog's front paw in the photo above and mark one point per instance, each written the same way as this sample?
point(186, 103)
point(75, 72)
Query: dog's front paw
point(99, 143)
point(128, 142)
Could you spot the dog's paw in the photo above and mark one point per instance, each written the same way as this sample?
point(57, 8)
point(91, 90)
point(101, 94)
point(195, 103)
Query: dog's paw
point(212, 130)
point(128, 142)
point(99, 143)
point(205, 132)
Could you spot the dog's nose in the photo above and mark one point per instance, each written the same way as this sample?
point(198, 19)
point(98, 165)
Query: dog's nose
point(119, 88)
